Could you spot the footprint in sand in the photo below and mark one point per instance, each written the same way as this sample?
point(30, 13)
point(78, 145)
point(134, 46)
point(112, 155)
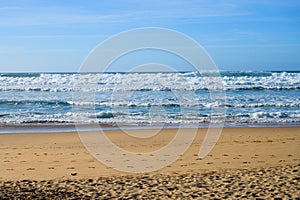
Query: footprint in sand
point(71, 168)
point(74, 174)
point(290, 138)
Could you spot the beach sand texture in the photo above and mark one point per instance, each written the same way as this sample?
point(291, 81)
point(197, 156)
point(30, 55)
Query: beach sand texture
point(245, 163)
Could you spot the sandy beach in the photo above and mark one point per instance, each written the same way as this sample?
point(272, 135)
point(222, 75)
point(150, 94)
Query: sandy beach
point(249, 157)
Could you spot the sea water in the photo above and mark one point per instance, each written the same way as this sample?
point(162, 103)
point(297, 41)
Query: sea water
point(149, 99)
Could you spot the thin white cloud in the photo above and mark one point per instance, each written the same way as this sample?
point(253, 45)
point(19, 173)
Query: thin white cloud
point(17, 50)
point(36, 13)
point(58, 19)
point(9, 8)
point(139, 11)
point(50, 37)
point(251, 45)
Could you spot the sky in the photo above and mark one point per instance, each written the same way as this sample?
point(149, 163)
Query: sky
point(57, 35)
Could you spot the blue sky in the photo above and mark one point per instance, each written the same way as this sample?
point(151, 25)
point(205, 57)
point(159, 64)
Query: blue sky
point(57, 35)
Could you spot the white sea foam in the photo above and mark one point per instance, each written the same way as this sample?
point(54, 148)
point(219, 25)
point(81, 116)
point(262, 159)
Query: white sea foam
point(146, 82)
point(149, 98)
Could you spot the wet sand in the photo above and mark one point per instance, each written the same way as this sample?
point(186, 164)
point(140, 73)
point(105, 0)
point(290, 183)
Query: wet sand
point(245, 163)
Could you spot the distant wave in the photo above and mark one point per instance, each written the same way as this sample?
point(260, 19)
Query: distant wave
point(35, 102)
point(194, 104)
point(188, 81)
point(20, 75)
point(187, 73)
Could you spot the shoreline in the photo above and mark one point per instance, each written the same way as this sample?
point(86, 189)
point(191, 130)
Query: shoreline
point(67, 128)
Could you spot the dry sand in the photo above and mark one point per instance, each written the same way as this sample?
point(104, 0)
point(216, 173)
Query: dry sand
point(245, 163)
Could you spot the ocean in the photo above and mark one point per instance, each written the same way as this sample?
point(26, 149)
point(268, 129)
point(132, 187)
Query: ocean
point(150, 99)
